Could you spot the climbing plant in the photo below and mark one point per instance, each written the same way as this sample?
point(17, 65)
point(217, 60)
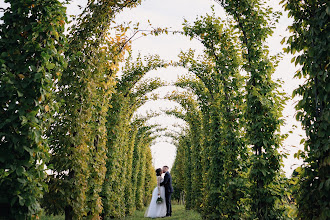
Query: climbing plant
point(138, 123)
point(79, 133)
point(65, 108)
point(231, 125)
point(32, 46)
point(309, 36)
point(264, 103)
point(192, 168)
point(131, 92)
point(177, 171)
point(217, 70)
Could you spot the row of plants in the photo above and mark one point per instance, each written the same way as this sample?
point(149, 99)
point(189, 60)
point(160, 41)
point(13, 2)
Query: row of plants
point(32, 45)
point(70, 142)
point(229, 160)
point(235, 166)
point(64, 110)
point(310, 39)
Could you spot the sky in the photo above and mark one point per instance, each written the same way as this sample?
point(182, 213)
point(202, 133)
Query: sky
point(170, 14)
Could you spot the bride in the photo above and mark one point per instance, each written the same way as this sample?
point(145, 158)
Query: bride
point(155, 209)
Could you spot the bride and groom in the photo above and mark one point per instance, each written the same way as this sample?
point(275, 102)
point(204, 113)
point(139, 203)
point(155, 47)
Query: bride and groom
point(160, 205)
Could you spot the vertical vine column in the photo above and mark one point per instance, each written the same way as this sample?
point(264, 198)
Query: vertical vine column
point(130, 94)
point(218, 72)
point(32, 46)
point(310, 37)
point(79, 134)
point(190, 145)
point(264, 104)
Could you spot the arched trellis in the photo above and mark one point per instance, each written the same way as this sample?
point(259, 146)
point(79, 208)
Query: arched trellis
point(87, 86)
point(222, 100)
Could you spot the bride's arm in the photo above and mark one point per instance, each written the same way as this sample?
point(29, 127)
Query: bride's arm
point(158, 184)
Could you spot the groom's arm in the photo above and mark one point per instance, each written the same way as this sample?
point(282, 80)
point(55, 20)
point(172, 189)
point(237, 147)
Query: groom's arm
point(165, 180)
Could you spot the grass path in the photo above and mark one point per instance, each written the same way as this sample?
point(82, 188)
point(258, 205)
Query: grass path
point(178, 213)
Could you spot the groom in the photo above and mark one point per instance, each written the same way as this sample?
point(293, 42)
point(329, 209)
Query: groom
point(167, 183)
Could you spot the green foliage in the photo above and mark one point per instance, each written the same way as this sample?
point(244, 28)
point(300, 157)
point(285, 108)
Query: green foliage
point(310, 38)
point(150, 179)
point(32, 46)
point(177, 173)
point(189, 147)
point(142, 168)
point(219, 90)
point(126, 155)
point(79, 134)
point(237, 184)
point(264, 104)
point(64, 109)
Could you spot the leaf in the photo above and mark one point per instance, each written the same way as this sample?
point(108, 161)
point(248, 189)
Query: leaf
point(23, 181)
point(30, 150)
point(20, 170)
point(19, 94)
point(24, 120)
point(50, 66)
point(327, 184)
point(55, 33)
point(21, 200)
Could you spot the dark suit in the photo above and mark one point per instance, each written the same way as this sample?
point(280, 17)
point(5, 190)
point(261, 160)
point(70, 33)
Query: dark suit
point(167, 183)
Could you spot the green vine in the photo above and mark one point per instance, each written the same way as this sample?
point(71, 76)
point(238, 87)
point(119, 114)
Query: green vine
point(264, 105)
point(131, 93)
point(309, 37)
point(32, 45)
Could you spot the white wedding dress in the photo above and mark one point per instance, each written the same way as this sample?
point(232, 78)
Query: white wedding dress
point(157, 210)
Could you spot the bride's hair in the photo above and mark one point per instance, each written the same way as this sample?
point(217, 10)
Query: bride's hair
point(158, 172)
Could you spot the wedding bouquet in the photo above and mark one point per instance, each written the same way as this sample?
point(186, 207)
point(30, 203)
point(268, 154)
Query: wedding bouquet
point(159, 200)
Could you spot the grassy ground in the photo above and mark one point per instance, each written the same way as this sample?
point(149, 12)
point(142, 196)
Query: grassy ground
point(52, 217)
point(178, 213)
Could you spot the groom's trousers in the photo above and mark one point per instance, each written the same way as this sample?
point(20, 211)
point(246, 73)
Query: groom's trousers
point(168, 204)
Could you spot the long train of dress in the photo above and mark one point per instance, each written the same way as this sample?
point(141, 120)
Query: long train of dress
point(157, 210)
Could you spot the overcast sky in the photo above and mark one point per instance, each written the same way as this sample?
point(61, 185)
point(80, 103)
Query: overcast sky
point(170, 13)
